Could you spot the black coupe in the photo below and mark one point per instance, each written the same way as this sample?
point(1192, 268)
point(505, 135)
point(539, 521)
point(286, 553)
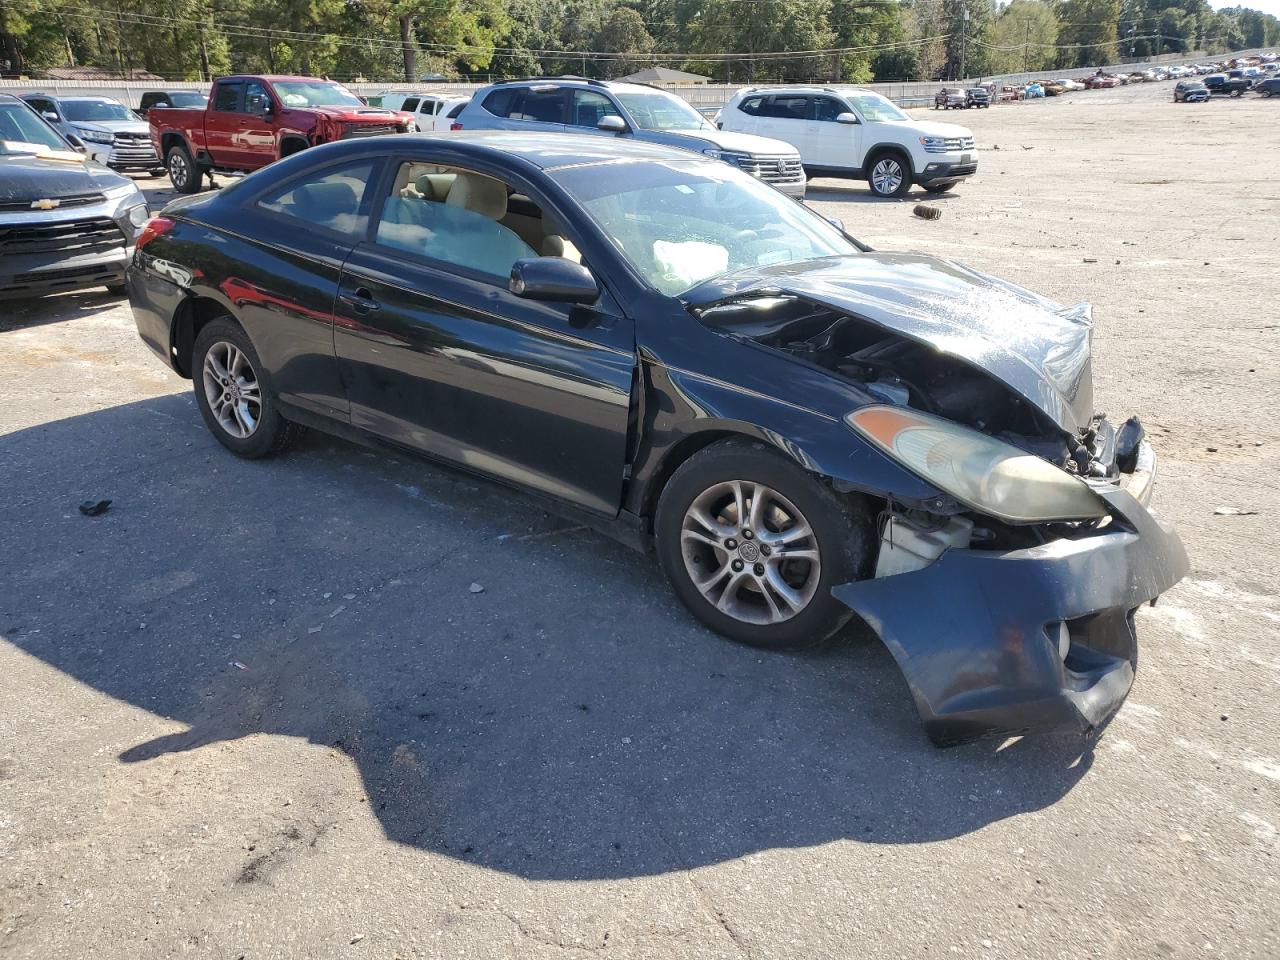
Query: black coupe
point(803, 429)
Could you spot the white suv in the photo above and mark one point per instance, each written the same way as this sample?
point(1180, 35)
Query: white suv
point(844, 132)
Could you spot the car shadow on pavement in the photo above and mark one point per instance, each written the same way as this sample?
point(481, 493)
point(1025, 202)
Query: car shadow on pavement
point(56, 308)
point(516, 692)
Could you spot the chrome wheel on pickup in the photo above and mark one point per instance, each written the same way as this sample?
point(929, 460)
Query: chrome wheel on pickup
point(183, 172)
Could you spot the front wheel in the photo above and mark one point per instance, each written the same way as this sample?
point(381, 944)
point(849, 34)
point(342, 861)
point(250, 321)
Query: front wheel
point(890, 176)
point(233, 393)
point(183, 172)
point(752, 545)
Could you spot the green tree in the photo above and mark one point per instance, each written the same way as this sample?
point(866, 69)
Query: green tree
point(624, 33)
point(1025, 31)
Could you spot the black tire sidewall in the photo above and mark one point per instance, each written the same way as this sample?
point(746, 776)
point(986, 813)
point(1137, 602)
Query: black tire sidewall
point(193, 175)
point(903, 188)
point(842, 526)
point(268, 436)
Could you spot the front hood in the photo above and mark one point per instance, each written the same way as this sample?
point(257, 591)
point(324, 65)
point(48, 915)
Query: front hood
point(740, 142)
point(28, 178)
point(931, 128)
point(356, 114)
point(111, 126)
point(1035, 347)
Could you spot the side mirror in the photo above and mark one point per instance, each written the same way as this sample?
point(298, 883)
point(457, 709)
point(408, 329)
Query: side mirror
point(611, 123)
point(553, 278)
point(837, 223)
point(51, 115)
point(847, 117)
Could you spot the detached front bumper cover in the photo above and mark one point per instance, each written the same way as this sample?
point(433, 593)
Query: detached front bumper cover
point(977, 633)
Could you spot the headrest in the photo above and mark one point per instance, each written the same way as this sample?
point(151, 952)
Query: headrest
point(435, 186)
point(482, 195)
point(326, 198)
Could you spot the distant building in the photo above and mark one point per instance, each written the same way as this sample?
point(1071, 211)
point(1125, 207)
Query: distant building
point(665, 76)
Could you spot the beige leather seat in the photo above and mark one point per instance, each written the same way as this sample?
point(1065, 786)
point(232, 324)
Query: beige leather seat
point(478, 194)
point(435, 186)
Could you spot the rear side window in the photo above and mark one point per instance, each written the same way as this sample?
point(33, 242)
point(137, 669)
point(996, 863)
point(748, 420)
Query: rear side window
point(786, 107)
point(500, 102)
point(330, 198)
point(751, 106)
point(410, 104)
point(529, 103)
point(227, 97)
point(457, 109)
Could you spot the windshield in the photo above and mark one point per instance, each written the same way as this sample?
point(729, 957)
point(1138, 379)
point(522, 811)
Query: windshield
point(89, 111)
point(191, 99)
point(315, 93)
point(682, 222)
point(18, 124)
point(661, 111)
point(873, 107)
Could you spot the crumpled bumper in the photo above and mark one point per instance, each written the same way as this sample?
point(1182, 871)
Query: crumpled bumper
point(977, 633)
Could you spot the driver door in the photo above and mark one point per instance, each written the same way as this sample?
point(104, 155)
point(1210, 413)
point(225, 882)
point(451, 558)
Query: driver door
point(437, 354)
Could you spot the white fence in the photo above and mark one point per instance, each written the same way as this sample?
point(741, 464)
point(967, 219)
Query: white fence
point(700, 95)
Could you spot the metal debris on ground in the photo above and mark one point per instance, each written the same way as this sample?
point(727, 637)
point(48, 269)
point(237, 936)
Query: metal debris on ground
point(925, 212)
point(1234, 512)
point(95, 508)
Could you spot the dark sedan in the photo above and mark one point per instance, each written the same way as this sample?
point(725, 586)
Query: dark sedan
point(803, 429)
point(65, 224)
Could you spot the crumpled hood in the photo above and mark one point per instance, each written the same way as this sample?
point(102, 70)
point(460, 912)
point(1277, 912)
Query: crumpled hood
point(1037, 348)
point(355, 114)
point(27, 178)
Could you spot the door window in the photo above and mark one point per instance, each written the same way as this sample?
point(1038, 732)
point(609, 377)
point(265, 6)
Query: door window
point(589, 107)
point(826, 109)
point(786, 107)
point(410, 104)
point(466, 219)
point(256, 98)
point(227, 97)
point(330, 199)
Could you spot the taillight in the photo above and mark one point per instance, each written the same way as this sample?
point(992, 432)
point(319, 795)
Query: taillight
point(156, 227)
point(455, 125)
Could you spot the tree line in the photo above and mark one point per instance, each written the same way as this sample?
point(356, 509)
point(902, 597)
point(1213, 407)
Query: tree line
point(727, 40)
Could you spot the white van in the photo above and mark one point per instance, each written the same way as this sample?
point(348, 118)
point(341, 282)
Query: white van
point(430, 110)
point(846, 132)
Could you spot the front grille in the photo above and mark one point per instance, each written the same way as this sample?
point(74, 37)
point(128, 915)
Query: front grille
point(73, 237)
point(133, 148)
point(773, 168)
point(950, 145)
point(369, 130)
point(80, 200)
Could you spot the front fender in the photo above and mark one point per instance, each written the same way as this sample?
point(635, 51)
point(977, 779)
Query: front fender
point(682, 411)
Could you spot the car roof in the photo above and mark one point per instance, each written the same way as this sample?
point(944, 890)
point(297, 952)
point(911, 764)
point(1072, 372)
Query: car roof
point(550, 151)
point(273, 77)
point(583, 83)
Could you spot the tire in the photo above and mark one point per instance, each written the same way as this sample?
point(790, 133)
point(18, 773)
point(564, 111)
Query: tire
point(940, 188)
point(234, 424)
point(889, 188)
point(118, 289)
point(157, 172)
point(184, 174)
point(841, 534)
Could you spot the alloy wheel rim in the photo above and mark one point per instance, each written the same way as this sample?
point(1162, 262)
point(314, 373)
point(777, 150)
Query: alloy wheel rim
point(750, 552)
point(231, 387)
point(178, 169)
point(886, 176)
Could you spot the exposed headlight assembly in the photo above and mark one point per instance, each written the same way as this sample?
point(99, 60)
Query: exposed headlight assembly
point(989, 475)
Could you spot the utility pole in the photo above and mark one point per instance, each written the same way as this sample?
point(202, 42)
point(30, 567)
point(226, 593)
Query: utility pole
point(964, 36)
point(1026, 46)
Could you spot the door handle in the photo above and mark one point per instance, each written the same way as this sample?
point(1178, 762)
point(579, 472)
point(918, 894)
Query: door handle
point(361, 301)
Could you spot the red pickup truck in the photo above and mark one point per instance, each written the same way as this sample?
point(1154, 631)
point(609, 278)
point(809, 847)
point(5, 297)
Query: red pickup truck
point(252, 121)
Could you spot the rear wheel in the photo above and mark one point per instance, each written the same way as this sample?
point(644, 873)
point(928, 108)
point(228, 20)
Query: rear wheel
point(183, 172)
point(233, 392)
point(752, 545)
point(940, 187)
point(890, 175)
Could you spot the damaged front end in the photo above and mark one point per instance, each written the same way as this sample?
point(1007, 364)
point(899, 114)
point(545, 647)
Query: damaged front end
point(1008, 599)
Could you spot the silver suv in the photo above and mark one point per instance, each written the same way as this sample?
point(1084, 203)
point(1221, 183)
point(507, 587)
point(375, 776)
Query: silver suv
point(632, 110)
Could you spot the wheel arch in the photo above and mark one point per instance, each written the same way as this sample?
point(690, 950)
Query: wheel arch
point(292, 143)
point(888, 147)
point(170, 139)
point(192, 315)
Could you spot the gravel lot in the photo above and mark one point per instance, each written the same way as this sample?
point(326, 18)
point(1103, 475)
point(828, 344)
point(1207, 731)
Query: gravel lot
point(257, 711)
